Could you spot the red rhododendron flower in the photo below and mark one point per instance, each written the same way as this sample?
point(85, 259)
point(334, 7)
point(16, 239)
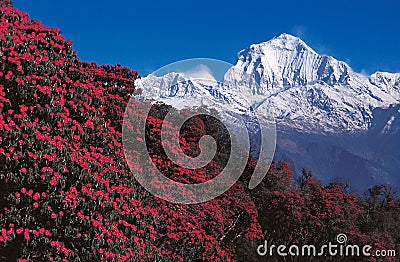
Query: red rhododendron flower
point(26, 234)
point(36, 196)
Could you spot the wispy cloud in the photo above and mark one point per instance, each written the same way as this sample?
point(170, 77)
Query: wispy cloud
point(200, 72)
point(364, 72)
point(299, 30)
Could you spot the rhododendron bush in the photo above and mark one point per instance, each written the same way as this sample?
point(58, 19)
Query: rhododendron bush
point(67, 193)
point(66, 190)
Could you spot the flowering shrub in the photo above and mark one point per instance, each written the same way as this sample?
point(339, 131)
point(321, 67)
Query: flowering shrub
point(66, 192)
point(310, 213)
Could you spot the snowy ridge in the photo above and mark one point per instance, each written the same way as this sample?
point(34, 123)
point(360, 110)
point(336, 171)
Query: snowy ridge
point(308, 91)
point(387, 82)
point(304, 90)
point(181, 91)
point(329, 118)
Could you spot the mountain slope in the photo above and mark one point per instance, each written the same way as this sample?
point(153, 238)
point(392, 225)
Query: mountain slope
point(308, 91)
point(66, 190)
point(317, 101)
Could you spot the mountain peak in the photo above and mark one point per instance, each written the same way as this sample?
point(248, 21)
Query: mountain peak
point(286, 61)
point(288, 42)
point(285, 37)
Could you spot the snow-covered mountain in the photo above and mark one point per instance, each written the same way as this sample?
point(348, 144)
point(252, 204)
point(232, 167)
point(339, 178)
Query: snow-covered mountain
point(308, 91)
point(320, 105)
point(181, 90)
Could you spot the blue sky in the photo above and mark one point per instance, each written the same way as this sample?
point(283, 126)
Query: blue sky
point(146, 35)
